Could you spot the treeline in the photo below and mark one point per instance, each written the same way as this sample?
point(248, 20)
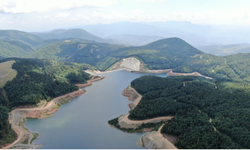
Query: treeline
point(208, 113)
point(42, 79)
point(37, 80)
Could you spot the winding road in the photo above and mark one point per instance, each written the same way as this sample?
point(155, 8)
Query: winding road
point(17, 117)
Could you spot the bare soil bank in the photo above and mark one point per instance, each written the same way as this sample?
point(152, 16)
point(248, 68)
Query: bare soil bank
point(171, 73)
point(155, 140)
point(18, 116)
point(151, 139)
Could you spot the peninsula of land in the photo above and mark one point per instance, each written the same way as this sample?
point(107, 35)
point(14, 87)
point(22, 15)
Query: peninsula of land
point(18, 116)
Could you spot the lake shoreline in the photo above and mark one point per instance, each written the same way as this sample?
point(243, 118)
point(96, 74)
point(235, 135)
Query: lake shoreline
point(125, 123)
point(18, 116)
point(35, 114)
point(169, 72)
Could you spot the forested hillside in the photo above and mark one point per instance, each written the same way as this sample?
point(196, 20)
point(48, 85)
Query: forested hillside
point(172, 53)
point(66, 34)
point(20, 36)
point(72, 34)
point(162, 54)
point(208, 114)
point(9, 50)
point(37, 80)
point(15, 43)
point(95, 54)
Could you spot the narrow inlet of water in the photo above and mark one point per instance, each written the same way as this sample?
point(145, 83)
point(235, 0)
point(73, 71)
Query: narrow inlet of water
point(82, 123)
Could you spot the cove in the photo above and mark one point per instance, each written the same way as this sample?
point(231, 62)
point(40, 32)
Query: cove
point(82, 123)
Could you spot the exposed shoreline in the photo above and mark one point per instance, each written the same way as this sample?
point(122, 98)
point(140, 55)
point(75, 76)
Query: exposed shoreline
point(155, 140)
point(18, 116)
point(135, 97)
point(171, 73)
point(54, 105)
point(126, 123)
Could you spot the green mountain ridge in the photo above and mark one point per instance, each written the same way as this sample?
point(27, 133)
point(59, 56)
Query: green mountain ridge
point(72, 34)
point(21, 36)
point(75, 51)
point(44, 79)
point(157, 55)
point(9, 50)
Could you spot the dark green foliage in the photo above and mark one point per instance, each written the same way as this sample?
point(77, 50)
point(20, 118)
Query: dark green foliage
point(162, 54)
point(33, 87)
point(77, 78)
point(168, 96)
point(236, 124)
point(37, 80)
point(91, 53)
point(5, 127)
point(41, 79)
point(3, 102)
point(184, 122)
point(7, 135)
point(114, 122)
point(205, 138)
point(171, 53)
point(205, 116)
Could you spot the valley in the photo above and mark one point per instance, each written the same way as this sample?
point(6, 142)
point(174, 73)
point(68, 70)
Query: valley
point(42, 71)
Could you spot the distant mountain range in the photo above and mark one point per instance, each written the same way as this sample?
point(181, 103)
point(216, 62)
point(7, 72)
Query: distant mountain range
point(210, 106)
point(122, 29)
point(15, 43)
point(209, 39)
point(223, 50)
point(196, 35)
point(165, 53)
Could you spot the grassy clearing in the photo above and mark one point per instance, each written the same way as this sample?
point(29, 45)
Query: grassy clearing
point(6, 72)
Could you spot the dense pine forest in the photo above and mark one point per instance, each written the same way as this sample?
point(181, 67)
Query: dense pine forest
point(37, 80)
point(208, 113)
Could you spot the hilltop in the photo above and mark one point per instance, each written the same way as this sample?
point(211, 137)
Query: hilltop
point(65, 34)
point(166, 53)
point(15, 43)
point(72, 34)
point(20, 36)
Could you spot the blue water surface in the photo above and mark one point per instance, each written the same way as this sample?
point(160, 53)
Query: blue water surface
point(82, 123)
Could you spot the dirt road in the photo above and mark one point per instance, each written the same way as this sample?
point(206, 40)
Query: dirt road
point(18, 116)
point(134, 96)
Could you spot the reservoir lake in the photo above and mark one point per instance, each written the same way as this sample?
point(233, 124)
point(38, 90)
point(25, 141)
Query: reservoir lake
point(82, 123)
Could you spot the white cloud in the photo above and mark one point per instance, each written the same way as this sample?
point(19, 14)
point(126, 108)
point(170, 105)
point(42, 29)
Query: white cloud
point(154, 0)
point(62, 15)
point(148, 0)
point(29, 6)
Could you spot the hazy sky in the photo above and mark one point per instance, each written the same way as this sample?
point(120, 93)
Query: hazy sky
point(32, 15)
